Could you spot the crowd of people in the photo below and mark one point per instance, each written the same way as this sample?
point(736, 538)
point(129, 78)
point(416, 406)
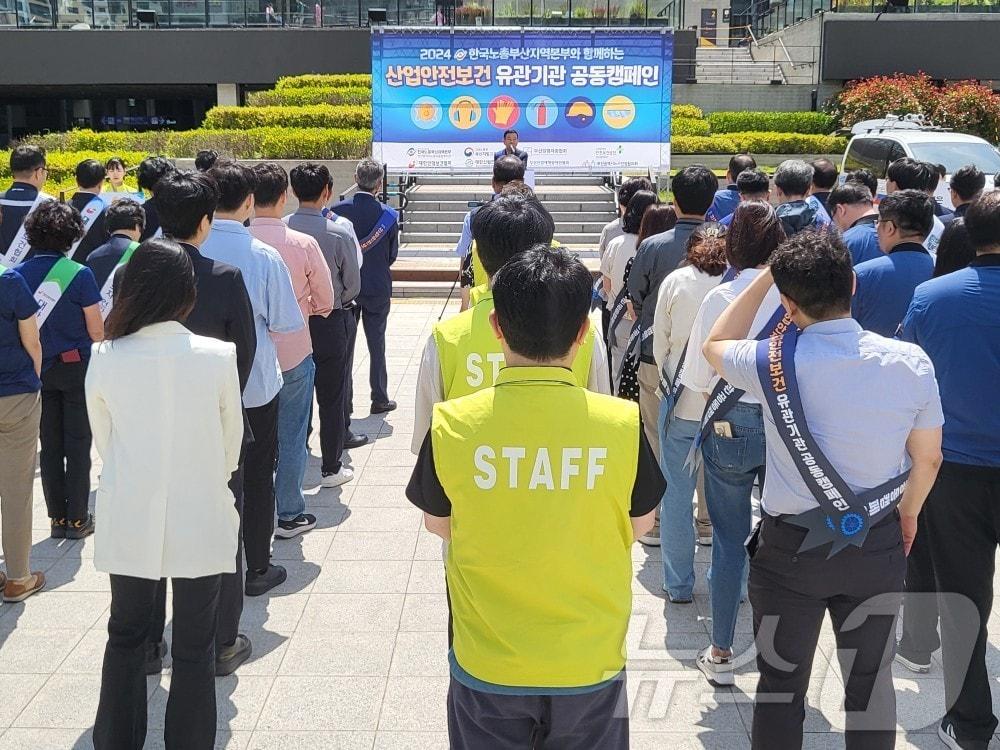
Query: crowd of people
point(810, 331)
point(181, 331)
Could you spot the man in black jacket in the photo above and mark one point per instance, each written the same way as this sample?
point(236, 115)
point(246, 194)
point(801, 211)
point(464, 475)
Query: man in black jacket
point(187, 203)
point(149, 172)
point(90, 175)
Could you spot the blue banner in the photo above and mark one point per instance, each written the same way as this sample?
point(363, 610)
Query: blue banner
point(578, 98)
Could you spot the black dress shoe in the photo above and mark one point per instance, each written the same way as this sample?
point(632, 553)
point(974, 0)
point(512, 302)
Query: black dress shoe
point(261, 583)
point(381, 407)
point(355, 441)
point(154, 657)
point(229, 659)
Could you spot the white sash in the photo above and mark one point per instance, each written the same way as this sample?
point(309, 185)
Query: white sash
point(19, 245)
point(89, 214)
point(108, 290)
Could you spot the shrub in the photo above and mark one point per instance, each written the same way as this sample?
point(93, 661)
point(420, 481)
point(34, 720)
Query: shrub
point(969, 107)
point(688, 126)
point(787, 143)
point(817, 123)
point(325, 80)
point(693, 144)
point(256, 143)
point(873, 98)
point(686, 110)
point(313, 116)
point(307, 96)
point(62, 165)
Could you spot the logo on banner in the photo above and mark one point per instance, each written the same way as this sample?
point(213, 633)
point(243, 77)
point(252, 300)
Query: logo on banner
point(619, 112)
point(465, 113)
point(503, 111)
point(426, 112)
point(542, 112)
point(580, 112)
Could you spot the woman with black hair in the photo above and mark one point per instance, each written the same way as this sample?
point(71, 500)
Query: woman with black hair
point(168, 425)
point(69, 320)
point(614, 265)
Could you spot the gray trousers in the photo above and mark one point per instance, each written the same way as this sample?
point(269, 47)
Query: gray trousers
point(19, 419)
point(489, 721)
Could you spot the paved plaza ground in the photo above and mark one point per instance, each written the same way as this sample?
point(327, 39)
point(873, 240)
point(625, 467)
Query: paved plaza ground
point(350, 652)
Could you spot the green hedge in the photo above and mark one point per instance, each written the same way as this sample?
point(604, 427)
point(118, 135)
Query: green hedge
point(688, 126)
point(325, 80)
point(313, 116)
point(758, 143)
point(304, 97)
point(256, 143)
point(62, 165)
point(686, 110)
point(809, 123)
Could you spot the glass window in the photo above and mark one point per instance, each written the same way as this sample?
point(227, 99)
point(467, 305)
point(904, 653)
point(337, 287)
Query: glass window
point(869, 153)
point(957, 155)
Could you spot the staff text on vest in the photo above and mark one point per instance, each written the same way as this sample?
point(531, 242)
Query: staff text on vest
point(545, 469)
point(474, 364)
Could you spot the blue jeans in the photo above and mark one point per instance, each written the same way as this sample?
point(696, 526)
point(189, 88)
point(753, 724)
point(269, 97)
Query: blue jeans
point(677, 536)
point(731, 465)
point(294, 406)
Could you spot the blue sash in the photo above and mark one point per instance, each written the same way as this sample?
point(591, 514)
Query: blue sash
point(671, 387)
point(842, 517)
point(382, 227)
point(730, 275)
point(725, 395)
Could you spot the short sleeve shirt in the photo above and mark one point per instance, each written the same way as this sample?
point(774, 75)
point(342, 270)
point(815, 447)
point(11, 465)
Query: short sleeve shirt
point(17, 371)
point(66, 328)
point(862, 395)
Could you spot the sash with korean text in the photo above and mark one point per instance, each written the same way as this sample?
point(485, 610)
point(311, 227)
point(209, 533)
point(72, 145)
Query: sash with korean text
point(53, 286)
point(18, 249)
point(108, 290)
point(89, 214)
point(843, 516)
point(382, 227)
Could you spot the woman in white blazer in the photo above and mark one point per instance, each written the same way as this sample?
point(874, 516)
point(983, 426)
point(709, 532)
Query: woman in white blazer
point(165, 410)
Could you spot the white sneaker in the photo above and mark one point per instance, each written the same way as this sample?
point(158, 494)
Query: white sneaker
point(652, 537)
point(913, 666)
point(338, 478)
point(717, 669)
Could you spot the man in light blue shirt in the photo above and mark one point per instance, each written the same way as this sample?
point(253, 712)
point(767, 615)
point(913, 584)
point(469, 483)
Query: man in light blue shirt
point(871, 410)
point(276, 310)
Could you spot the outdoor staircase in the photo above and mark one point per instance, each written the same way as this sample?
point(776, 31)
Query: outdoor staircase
point(735, 65)
point(434, 208)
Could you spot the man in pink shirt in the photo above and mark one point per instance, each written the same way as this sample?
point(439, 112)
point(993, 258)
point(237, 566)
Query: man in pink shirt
point(314, 291)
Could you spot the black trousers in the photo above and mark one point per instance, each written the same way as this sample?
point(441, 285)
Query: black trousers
point(65, 436)
point(963, 522)
point(230, 608)
point(481, 721)
point(258, 485)
point(920, 611)
point(374, 317)
point(191, 714)
point(333, 346)
point(790, 592)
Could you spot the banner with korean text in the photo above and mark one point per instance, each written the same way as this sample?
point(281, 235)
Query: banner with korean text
point(592, 100)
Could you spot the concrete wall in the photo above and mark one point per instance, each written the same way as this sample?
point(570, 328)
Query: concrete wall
point(754, 97)
point(950, 47)
point(195, 56)
point(799, 59)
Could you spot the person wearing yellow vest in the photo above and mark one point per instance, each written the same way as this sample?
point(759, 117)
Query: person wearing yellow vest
point(462, 355)
point(541, 487)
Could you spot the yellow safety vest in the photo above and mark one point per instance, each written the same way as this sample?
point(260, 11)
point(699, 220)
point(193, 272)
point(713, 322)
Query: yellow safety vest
point(479, 276)
point(539, 472)
point(471, 357)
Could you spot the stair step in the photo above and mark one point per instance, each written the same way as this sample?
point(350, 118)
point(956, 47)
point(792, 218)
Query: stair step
point(458, 217)
point(589, 239)
point(555, 207)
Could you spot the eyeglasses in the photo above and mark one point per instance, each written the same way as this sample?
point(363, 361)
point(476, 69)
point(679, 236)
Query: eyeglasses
point(883, 221)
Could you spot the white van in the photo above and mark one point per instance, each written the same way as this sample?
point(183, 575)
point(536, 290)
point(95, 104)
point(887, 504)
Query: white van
point(875, 144)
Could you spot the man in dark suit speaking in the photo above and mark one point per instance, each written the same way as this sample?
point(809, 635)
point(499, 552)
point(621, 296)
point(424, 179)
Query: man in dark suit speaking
point(510, 148)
